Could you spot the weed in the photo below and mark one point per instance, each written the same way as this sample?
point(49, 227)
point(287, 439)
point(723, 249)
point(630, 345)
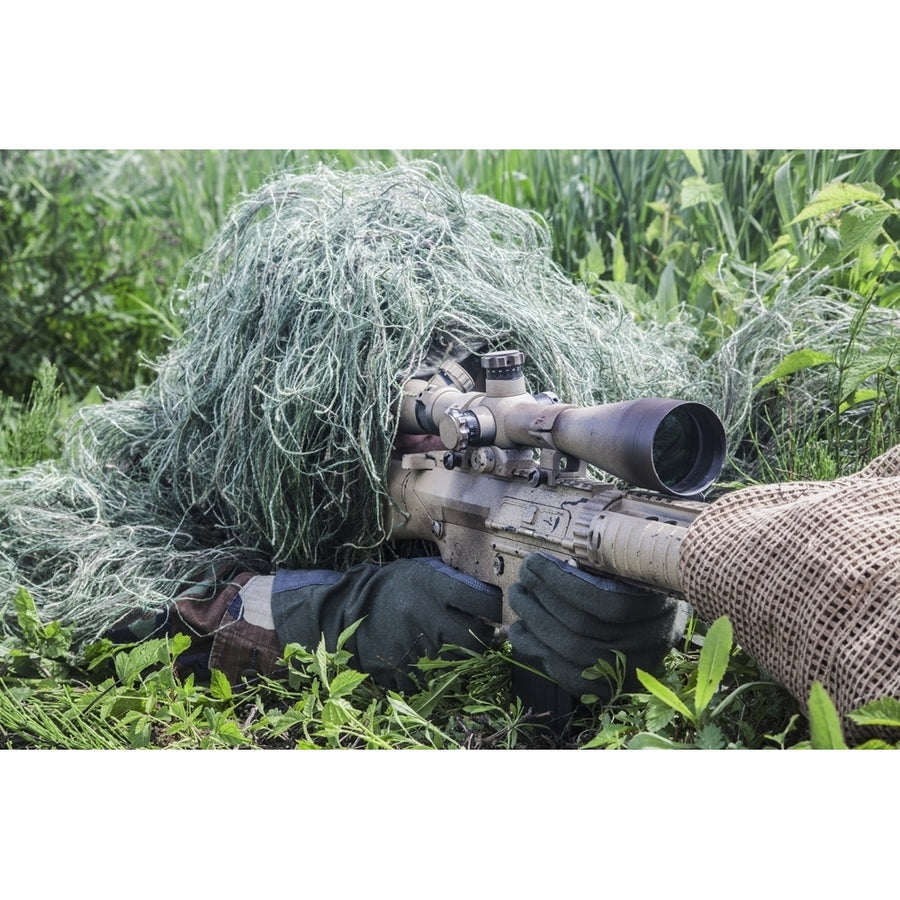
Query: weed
point(28, 435)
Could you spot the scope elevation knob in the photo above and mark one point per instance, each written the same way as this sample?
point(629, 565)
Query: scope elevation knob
point(503, 363)
point(503, 373)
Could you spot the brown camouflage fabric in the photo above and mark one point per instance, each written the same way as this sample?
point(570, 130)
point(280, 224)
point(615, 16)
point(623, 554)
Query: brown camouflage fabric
point(809, 575)
point(212, 614)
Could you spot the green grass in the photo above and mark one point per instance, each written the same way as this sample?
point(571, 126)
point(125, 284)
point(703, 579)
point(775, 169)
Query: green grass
point(130, 697)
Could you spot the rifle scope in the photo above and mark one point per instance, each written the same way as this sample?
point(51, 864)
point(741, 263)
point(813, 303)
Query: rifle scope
point(673, 446)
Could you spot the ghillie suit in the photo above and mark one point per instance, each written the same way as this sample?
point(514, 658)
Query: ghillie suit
point(264, 438)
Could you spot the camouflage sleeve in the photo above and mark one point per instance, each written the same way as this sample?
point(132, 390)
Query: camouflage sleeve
point(809, 575)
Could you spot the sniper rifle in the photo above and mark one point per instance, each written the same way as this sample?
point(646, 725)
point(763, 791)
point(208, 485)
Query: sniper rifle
point(512, 477)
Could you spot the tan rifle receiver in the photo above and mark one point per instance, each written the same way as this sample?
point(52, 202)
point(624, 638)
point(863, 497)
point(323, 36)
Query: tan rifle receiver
point(512, 476)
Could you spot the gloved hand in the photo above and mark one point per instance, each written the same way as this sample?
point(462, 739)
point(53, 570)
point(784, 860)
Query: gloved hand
point(412, 607)
point(568, 619)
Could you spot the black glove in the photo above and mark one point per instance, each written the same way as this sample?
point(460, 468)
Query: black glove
point(412, 607)
point(568, 619)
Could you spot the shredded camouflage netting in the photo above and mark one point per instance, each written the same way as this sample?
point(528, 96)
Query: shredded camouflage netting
point(809, 575)
point(264, 438)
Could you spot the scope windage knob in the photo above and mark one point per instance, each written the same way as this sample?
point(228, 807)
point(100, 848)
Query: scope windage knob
point(457, 428)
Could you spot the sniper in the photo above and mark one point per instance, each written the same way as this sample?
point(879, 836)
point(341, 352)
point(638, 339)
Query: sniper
point(242, 496)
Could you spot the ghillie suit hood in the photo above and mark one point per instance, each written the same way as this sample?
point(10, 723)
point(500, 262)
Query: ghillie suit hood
point(264, 438)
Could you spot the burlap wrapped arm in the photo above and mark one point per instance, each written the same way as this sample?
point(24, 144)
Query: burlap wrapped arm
point(809, 575)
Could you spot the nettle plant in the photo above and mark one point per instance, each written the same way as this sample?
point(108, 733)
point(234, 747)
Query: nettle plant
point(829, 405)
point(694, 707)
point(687, 707)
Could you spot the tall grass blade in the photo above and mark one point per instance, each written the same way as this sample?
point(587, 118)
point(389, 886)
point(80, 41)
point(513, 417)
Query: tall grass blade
point(784, 197)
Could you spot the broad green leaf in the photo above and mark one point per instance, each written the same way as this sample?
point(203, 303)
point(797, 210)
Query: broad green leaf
point(780, 258)
point(130, 665)
point(696, 190)
point(231, 732)
point(26, 613)
point(178, 643)
point(346, 682)
point(595, 261)
point(884, 357)
point(632, 296)
point(348, 632)
point(474, 709)
point(425, 702)
point(610, 734)
point(124, 672)
point(784, 197)
point(713, 662)
point(647, 741)
point(835, 196)
point(796, 362)
point(711, 737)
point(321, 662)
point(56, 641)
point(336, 712)
point(656, 231)
point(885, 711)
point(219, 686)
point(658, 714)
point(139, 733)
point(400, 706)
point(857, 397)
point(861, 226)
point(613, 673)
point(602, 669)
point(667, 695)
point(824, 723)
